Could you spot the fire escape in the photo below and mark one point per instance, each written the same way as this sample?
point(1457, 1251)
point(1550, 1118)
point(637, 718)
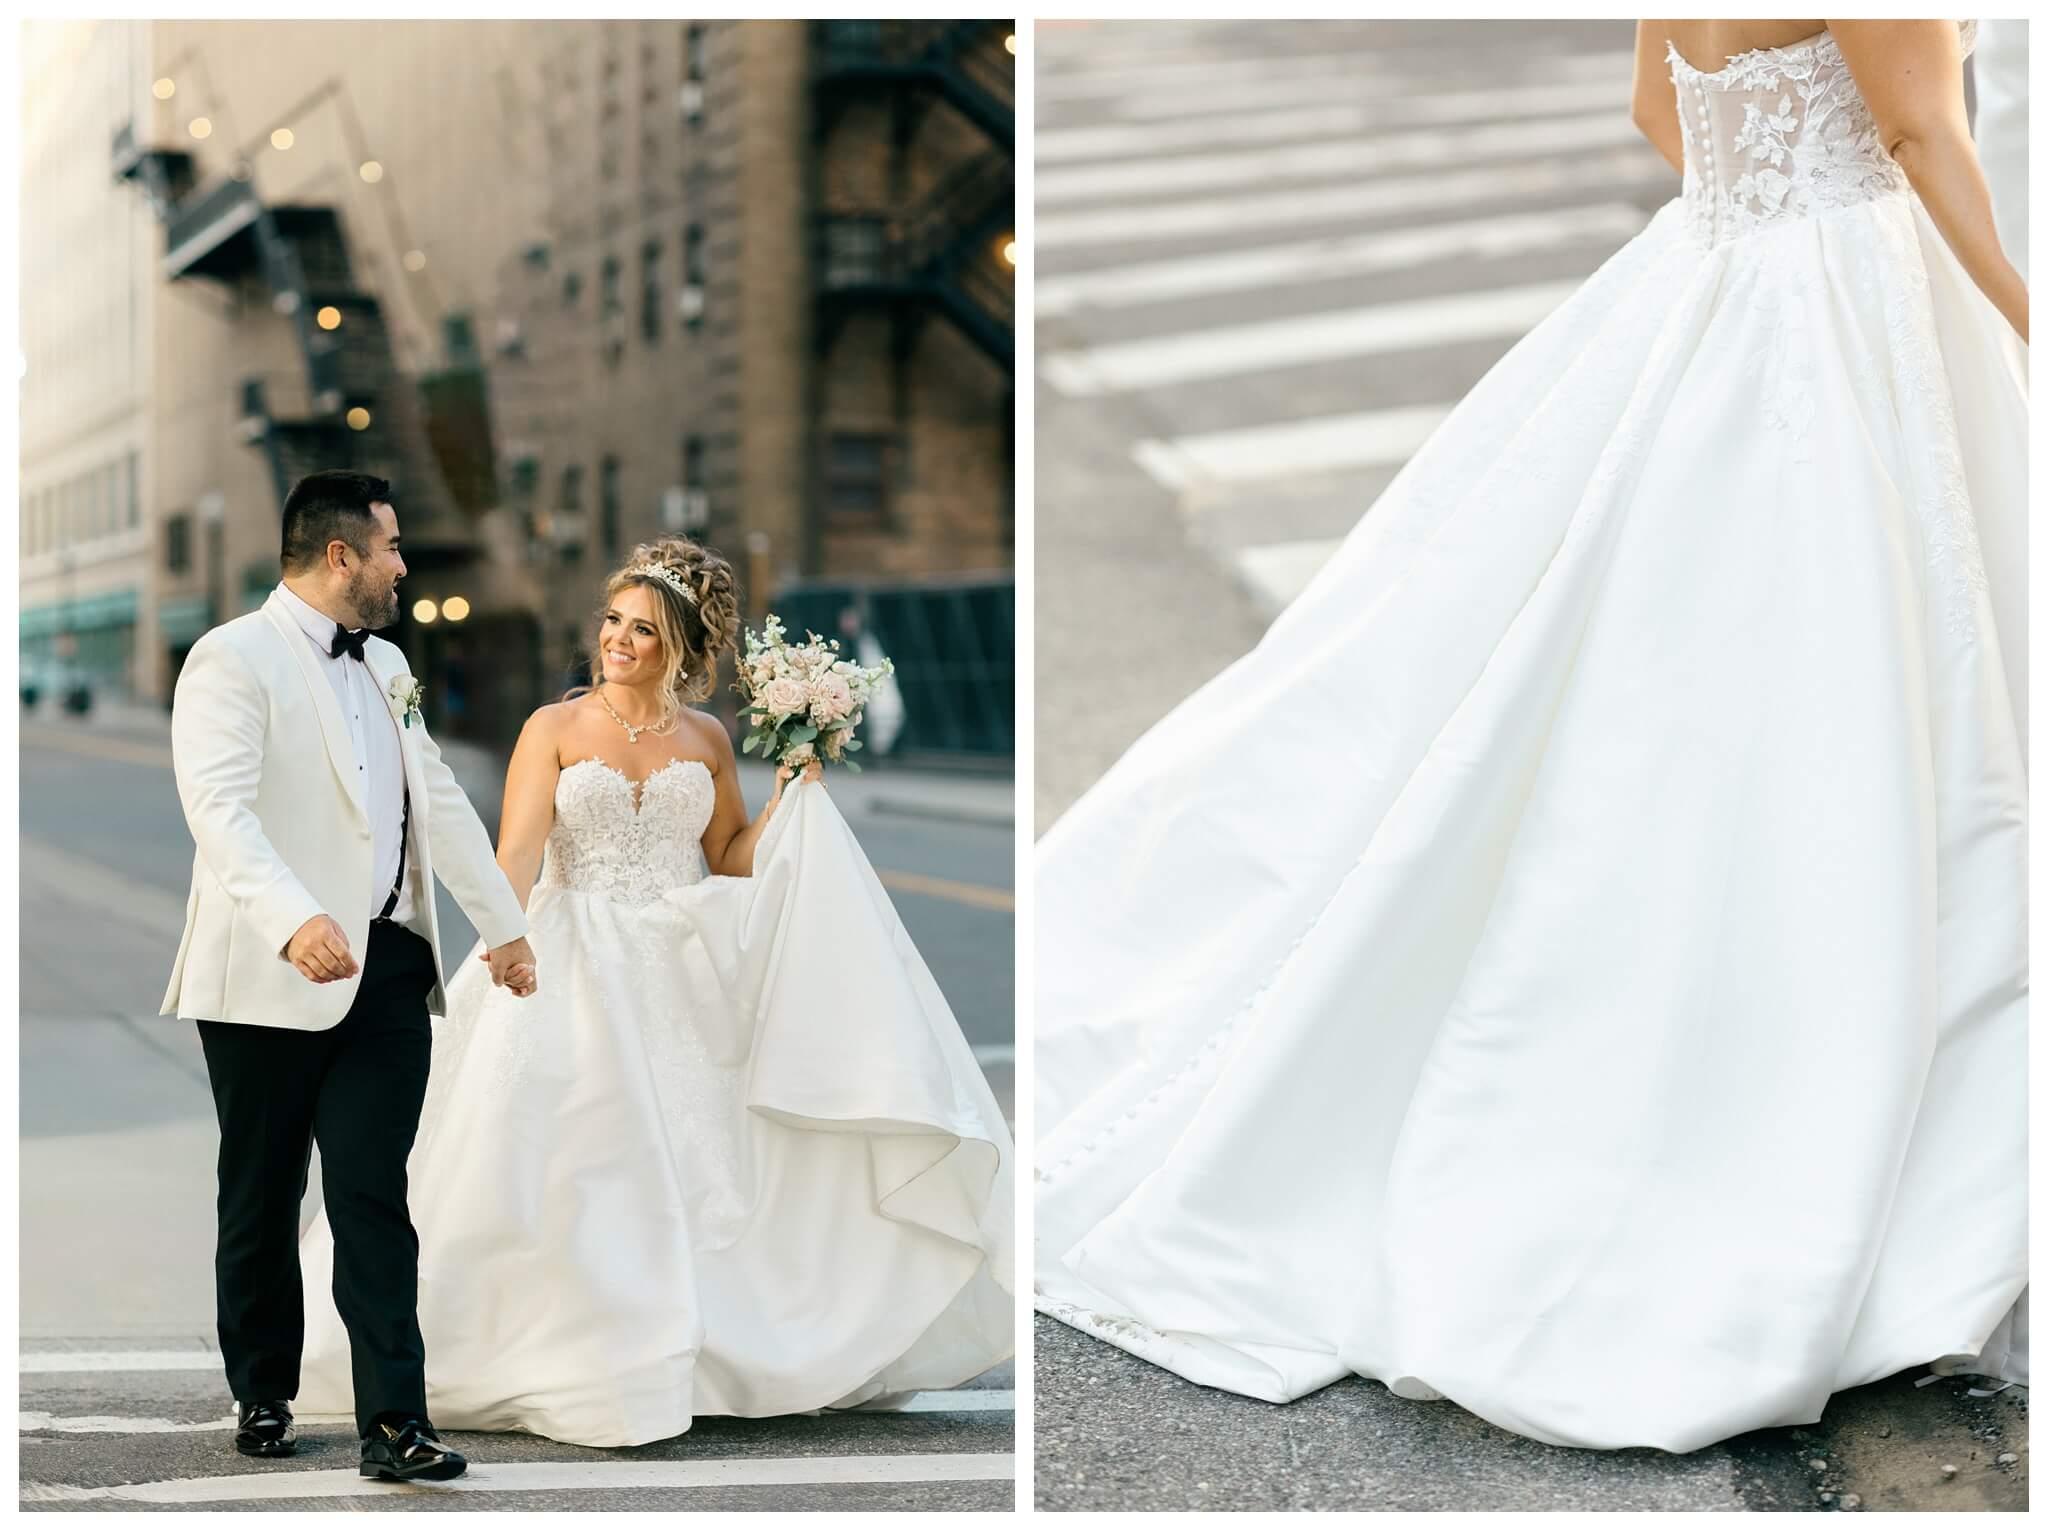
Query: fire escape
point(352, 407)
point(943, 256)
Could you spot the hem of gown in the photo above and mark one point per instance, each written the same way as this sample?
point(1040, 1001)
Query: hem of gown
point(1185, 1356)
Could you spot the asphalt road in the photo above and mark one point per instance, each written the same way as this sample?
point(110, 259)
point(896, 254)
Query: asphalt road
point(121, 1381)
point(1268, 257)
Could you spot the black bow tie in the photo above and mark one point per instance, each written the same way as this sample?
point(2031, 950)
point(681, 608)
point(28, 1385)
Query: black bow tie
point(348, 641)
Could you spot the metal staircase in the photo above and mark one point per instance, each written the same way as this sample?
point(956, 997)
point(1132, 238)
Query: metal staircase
point(350, 407)
point(943, 257)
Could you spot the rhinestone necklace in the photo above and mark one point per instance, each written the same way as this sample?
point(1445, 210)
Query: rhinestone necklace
point(633, 731)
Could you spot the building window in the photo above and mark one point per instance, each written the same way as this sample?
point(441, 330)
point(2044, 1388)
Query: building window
point(134, 489)
point(572, 489)
point(650, 290)
point(572, 288)
point(178, 543)
point(692, 302)
point(536, 257)
point(693, 53)
point(855, 251)
point(608, 505)
point(609, 302)
point(856, 480)
point(525, 480)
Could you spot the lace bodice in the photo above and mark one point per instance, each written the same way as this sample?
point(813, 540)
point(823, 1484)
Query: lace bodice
point(1778, 134)
point(628, 841)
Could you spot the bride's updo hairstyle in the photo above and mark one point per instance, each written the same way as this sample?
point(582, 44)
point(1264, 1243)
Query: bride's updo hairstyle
point(694, 632)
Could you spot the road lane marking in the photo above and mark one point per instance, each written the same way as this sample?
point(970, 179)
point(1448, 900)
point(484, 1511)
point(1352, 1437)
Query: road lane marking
point(974, 894)
point(1274, 266)
point(1376, 438)
point(1279, 571)
point(544, 1477)
point(129, 750)
point(1339, 159)
point(114, 1424)
point(1600, 175)
point(948, 1401)
point(1505, 313)
point(1215, 85)
point(1131, 140)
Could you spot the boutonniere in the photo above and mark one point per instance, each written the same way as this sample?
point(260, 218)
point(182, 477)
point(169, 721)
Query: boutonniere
point(407, 693)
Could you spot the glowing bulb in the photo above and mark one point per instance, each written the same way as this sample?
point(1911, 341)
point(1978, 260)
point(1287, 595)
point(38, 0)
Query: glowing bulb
point(329, 317)
point(415, 260)
point(165, 89)
point(281, 139)
point(200, 127)
point(1010, 251)
point(455, 608)
point(1010, 43)
point(359, 419)
point(371, 171)
point(424, 612)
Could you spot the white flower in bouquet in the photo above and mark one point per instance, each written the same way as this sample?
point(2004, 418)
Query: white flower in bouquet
point(831, 700)
point(804, 700)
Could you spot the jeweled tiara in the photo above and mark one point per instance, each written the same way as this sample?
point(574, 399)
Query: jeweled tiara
point(668, 577)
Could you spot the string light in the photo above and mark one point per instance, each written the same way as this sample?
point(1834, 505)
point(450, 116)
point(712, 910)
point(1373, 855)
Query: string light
point(281, 139)
point(424, 612)
point(359, 419)
point(455, 608)
point(329, 318)
point(415, 260)
point(199, 127)
point(371, 171)
point(165, 89)
point(1010, 251)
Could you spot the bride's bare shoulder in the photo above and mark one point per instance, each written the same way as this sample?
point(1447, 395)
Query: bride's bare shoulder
point(549, 721)
point(707, 733)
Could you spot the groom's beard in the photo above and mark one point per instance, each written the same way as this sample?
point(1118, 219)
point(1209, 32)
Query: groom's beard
point(376, 606)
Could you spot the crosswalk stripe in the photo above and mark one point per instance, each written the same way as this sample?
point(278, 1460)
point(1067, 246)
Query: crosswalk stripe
point(538, 1477)
point(1517, 139)
point(1275, 266)
point(1232, 350)
point(1404, 70)
point(1277, 572)
point(1119, 140)
point(1371, 439)
point(33, 1422)
point(1599, 78)
point(1601, 174)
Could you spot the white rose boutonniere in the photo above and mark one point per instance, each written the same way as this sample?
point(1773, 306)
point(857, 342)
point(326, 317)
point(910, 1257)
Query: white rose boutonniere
point(408, 693)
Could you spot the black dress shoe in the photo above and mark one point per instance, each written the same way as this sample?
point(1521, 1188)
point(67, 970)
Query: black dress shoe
point(266, 1429)
point(406, 1449)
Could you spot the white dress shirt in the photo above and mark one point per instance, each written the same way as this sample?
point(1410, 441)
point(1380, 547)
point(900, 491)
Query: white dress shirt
point(374, 733)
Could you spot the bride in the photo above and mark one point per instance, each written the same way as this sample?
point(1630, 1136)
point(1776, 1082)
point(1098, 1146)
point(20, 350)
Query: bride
point(734, 1156)
point(1575, 964)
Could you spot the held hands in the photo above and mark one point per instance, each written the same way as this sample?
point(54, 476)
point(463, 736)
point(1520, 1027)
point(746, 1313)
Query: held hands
point(512, 967)
point(319, 950)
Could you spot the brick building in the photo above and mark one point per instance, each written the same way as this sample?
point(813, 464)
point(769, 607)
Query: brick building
point(568, 284)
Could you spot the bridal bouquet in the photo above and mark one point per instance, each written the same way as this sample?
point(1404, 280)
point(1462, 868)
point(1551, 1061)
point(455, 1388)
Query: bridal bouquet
point(803, 700)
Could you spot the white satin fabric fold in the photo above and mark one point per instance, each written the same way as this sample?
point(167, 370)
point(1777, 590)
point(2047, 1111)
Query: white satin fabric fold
point(1576, 963)
point(735, 1157)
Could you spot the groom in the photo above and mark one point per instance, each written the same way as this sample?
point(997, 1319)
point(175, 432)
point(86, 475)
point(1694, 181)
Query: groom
point(311, 959)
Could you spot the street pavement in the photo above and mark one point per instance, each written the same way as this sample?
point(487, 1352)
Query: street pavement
point(123, 1403)
point(1269, 257)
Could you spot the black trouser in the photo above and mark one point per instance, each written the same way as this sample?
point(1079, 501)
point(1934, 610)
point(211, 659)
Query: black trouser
point(356, 1089)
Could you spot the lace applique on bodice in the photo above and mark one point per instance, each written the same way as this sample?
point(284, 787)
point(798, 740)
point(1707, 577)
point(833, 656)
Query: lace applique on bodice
point(1779, 133)
point(628, 841)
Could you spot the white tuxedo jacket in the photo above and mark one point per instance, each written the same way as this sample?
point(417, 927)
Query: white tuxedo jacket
point(268, 778)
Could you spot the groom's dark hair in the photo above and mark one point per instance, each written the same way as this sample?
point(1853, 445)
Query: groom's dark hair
point(333, 503)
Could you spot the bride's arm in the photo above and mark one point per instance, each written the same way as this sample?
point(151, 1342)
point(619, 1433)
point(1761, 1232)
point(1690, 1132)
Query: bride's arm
point(529, 810)
point(1910, 73)
point(1653, 106)
point(729, 840)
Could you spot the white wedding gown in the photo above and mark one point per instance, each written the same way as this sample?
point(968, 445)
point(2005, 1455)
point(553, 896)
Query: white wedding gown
point(733, 1157)
point(1576, 963)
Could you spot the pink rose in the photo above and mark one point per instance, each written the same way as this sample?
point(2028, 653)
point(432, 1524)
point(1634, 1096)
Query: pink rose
point(831, 700)
point(785, 696)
